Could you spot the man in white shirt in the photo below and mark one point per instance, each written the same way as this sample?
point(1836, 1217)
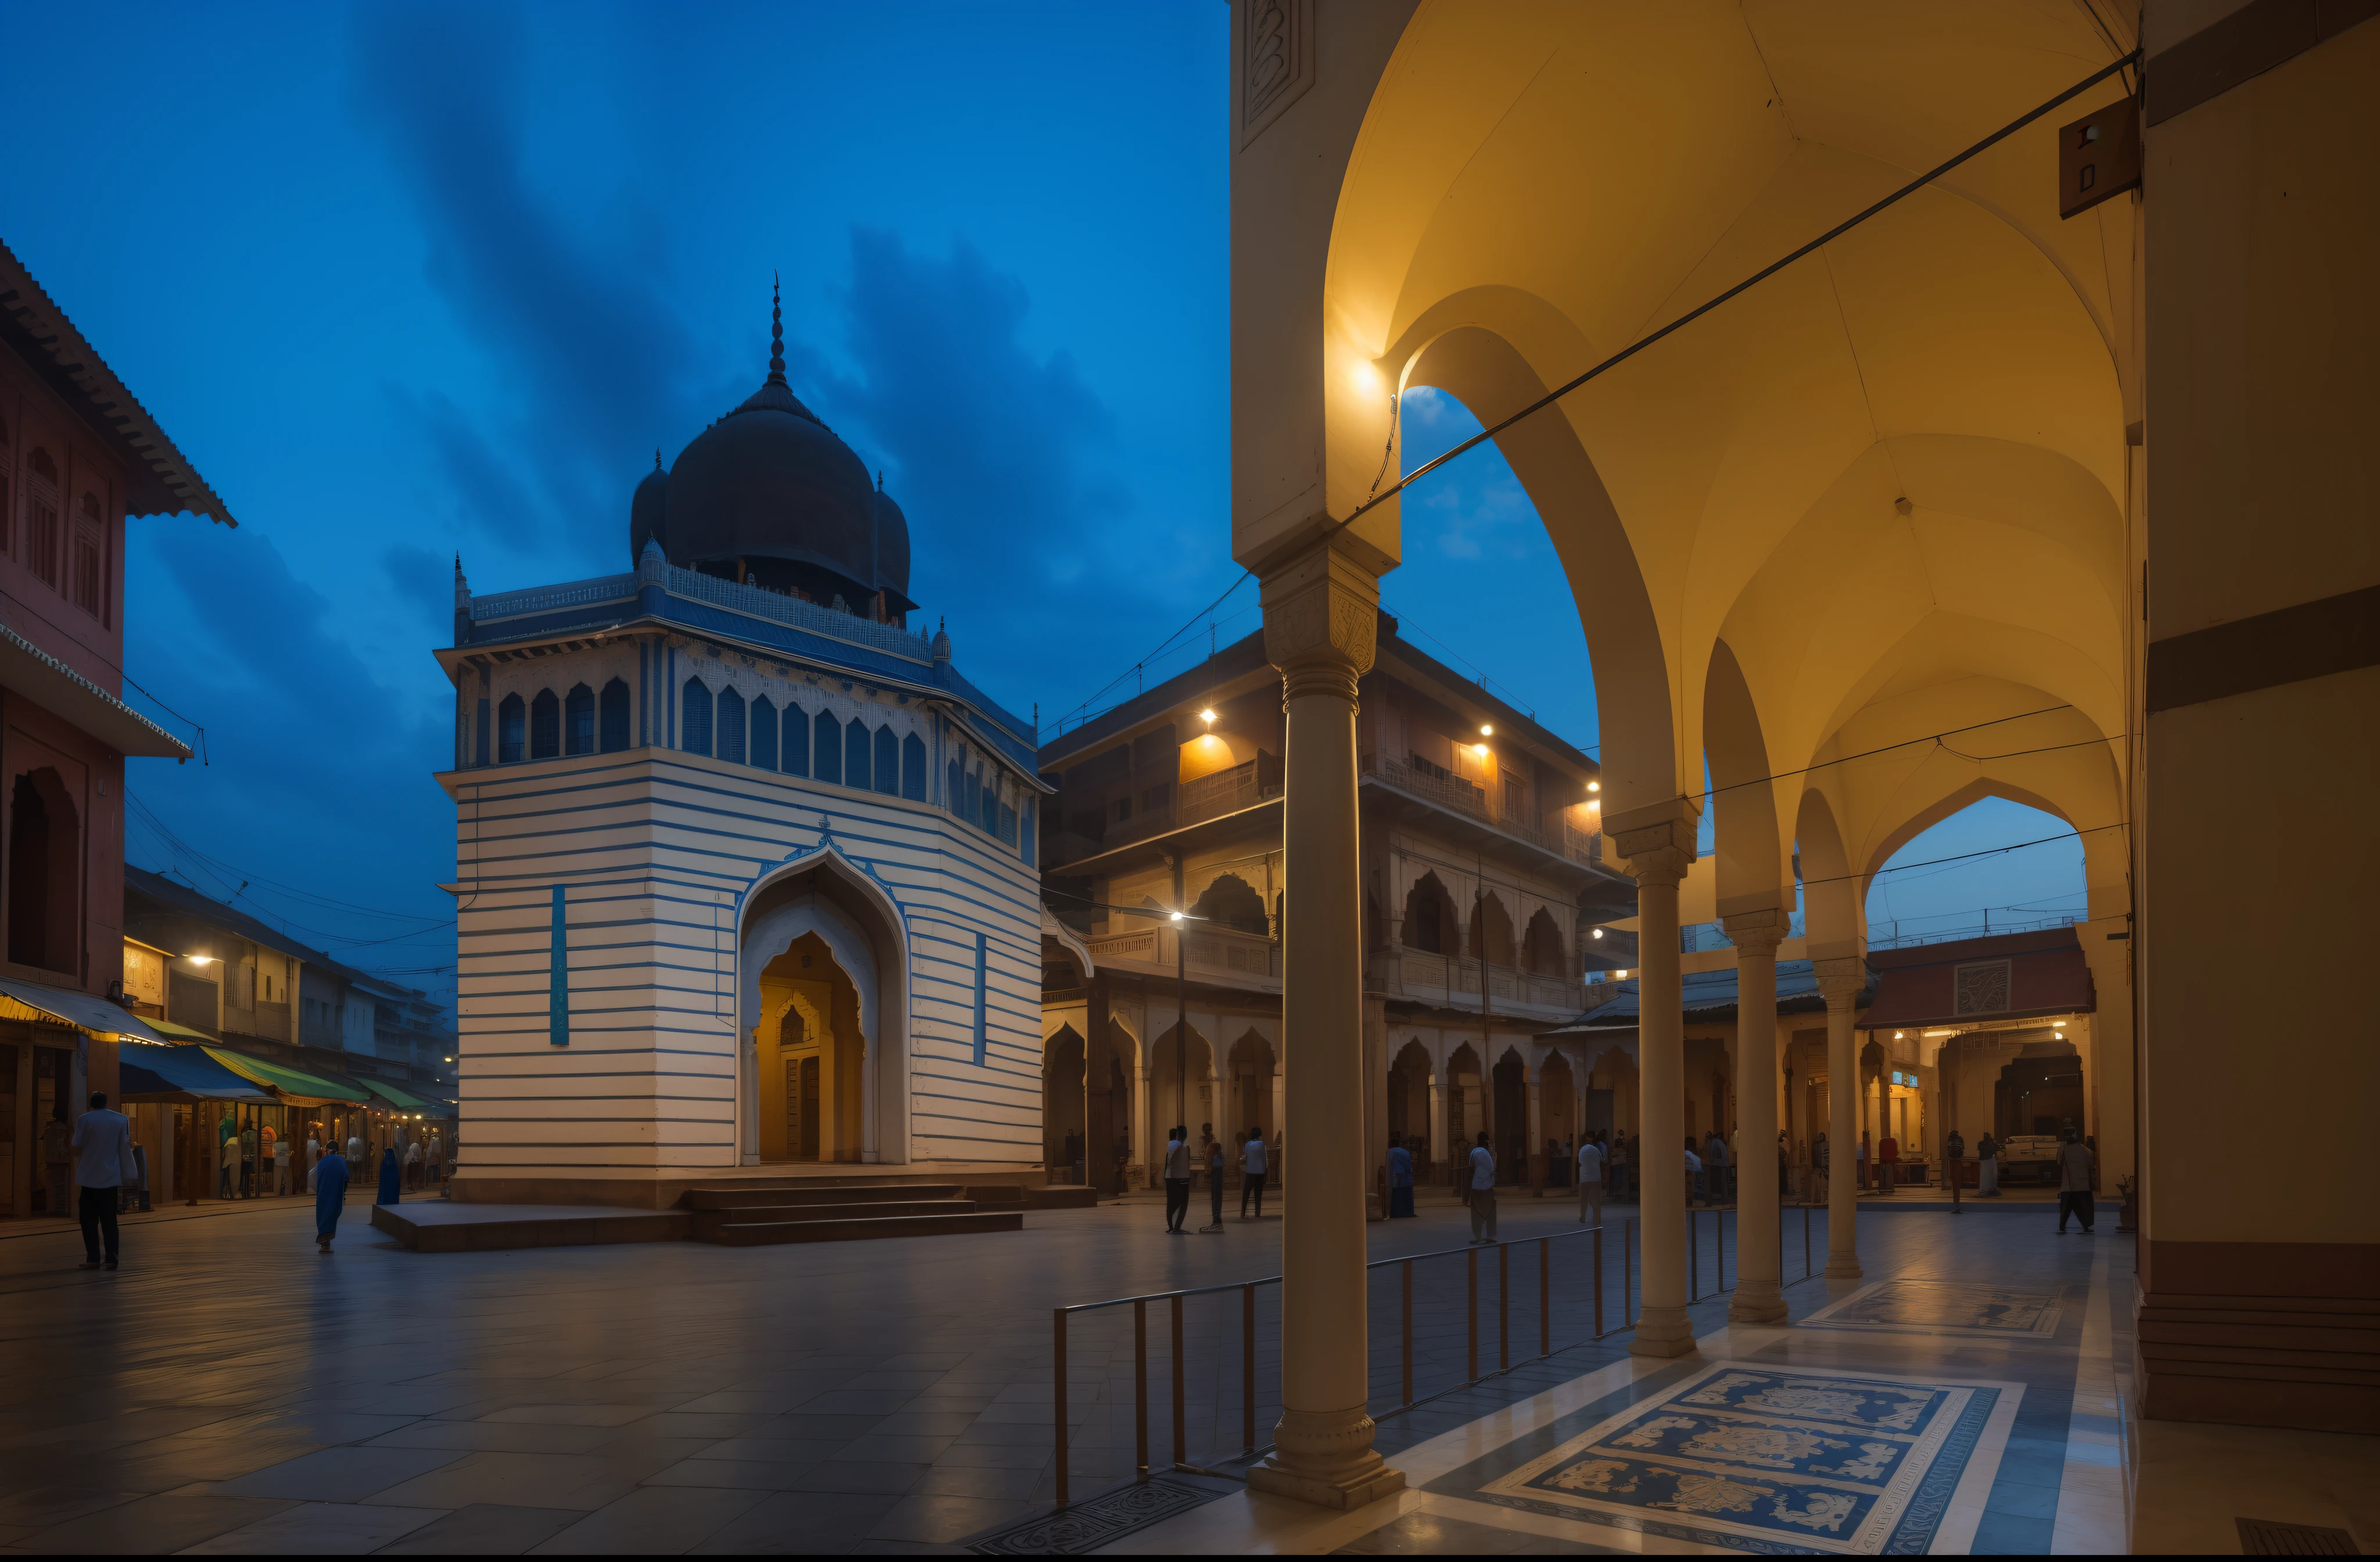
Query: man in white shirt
point(1177, 1180)
point(102, 1162)
point(281, 1162)
point(1252, 1174)
point(355, 1150)
point(1590, 1182)
point(1483, 1193)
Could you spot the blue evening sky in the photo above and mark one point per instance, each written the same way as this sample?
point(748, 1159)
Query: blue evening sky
point(410, 281)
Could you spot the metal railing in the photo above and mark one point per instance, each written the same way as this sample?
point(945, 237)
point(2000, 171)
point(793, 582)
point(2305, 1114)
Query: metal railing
point(1462, 797)
point(1406, 1377)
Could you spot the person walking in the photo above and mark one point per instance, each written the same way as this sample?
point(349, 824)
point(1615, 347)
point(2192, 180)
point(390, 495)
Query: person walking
point(1888, 1158)
point(248, 1163)
point(1987, 1167)
point(1216, 1166)
point(1694, 1171)
point(388, 1174)
point(330, 1197)
point(1177, 1179)
point(280, 1164)
point(102, 1143)
point(227, 1157)
point(2074, 1184)
point(1400, 1179)
point(355, 1150)
point(1590, 1182)
point(1253, 1162)
point(1718, 1163)
point(413, 1166)
point(1483, 1193)
point(1619, 1157)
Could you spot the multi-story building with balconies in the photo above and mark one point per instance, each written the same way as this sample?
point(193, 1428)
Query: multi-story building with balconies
point(1483, 886)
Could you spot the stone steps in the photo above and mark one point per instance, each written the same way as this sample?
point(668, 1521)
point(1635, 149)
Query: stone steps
point(799, 1210)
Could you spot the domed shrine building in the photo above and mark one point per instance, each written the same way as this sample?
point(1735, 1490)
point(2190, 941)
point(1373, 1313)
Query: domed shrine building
point(744, 866)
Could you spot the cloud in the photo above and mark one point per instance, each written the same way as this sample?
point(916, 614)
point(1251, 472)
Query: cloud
point(579, 326)
point(999, 454)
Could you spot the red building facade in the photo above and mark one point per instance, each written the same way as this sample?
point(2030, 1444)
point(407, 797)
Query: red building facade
point(78, 456)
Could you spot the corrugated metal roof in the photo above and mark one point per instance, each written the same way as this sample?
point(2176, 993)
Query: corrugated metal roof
point(1709, 997)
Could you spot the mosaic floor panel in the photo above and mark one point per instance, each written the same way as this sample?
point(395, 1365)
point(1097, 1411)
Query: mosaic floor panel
point(1768, 1459)
point(1936, 1307)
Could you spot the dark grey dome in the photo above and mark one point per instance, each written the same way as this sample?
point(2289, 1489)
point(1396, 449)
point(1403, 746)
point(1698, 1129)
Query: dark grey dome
point(892, 541)
point(648, 513)
point(770, 481)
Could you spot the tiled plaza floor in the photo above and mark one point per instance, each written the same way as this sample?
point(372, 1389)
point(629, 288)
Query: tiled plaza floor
point(228, 1390)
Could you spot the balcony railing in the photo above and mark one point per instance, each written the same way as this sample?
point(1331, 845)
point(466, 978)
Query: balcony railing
point(1210, 949)
point(1227, 791)
point(1416, 973)
point(1461, 796)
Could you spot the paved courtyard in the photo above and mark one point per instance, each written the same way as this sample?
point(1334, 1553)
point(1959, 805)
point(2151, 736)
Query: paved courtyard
point(228, 1390)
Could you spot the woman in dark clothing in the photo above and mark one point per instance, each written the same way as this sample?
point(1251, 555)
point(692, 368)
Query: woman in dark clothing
point(330, 1197)
point(391, 1174)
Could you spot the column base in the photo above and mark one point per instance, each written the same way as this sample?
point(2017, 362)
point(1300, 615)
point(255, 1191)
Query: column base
point(1757, 1301)
point(1843, 1266)
point(1367, 1483)
point(1663, 1331)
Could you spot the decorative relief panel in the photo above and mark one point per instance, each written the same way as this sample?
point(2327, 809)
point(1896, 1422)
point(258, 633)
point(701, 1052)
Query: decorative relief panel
point(1276, 60)
point(1981, 987)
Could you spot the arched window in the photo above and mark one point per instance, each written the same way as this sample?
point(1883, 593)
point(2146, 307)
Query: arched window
point(544, 725)
point(90, 534)
point(616, 715)
point(1430, 917)
point(694, 718)
point(1233, 901)
point(578, 721)
point(888, 762)
point(512, 730)
point(41, 517)
point(795, 760)
point(764, 732)
point(829, 735)
point(730, 727)
point(856, 752)
point(45, 859)
point(912, 768)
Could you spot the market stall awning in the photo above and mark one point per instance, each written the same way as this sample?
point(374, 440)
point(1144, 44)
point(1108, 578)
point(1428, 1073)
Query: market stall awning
point(92, 1014)
point(404, 1100)
point(174, 1032)
point(182, 1074)
point(294, 1084)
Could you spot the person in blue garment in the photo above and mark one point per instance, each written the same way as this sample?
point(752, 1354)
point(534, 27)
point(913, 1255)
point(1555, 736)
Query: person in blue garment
point(330, 1196)
point(391, 1174)
point(1400, 1179)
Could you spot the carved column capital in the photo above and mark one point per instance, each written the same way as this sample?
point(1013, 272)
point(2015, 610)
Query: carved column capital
point(1658, 842)
point(1756, 932)
point(1841, 982)
point(1321, 622)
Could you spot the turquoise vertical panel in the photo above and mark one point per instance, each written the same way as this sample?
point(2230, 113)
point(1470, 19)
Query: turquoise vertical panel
point(557, 1018)
point(983, 973)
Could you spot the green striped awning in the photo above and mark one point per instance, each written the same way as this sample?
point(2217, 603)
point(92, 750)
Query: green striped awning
point(403, 1100)
point(293, 1084)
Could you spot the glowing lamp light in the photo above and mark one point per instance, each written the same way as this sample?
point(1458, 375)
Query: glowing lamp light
point(1897, 1035)
point(1206, 716)
point(1486, 730)
point(1944, 1032)
point(1597, 934)
point(1595, 786)
point(1620, 975)
point(1479, 748)
point(200, 959)
point(1177, 916)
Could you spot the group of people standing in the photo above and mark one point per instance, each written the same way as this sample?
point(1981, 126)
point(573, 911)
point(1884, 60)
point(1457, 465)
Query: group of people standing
point(1255, 1160)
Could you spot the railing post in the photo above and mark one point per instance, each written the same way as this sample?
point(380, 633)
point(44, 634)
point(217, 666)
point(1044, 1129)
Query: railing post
point(1545, 1296)
point(1248, 1367)
point(1181, 1452)
point(1140, 1388)
point(1503, 1306)
point(1598, 1282)
point(1058, 1399)
point(1471, 1262)
point(1408, 1268)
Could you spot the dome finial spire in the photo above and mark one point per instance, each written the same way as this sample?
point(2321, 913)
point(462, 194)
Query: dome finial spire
point(776, 330)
